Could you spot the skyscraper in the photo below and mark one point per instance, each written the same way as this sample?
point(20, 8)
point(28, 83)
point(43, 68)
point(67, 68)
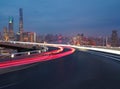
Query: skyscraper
point(21, 20)
point(21, 23)
point(10, 27)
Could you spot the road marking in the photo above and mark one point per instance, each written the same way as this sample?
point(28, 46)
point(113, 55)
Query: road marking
point(105, 55)
point(37, 58)
point(111, 56)
point(8, 85)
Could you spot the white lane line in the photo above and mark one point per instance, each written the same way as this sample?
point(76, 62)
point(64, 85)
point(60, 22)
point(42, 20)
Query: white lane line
point(99, 49)
point(8, 85)
point(100, 53)
point(104, 55)
point(112, 58)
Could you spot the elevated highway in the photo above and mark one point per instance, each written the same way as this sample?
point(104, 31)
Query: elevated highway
point(75, 67)
point(17, 46)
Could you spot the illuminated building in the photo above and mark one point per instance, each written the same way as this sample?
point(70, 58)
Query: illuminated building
point(24, 36)
point(0, 36)
point(60, 38)
point(21, 23)
point(29, 36)
point(5, 34)
point(17, 36)
point(10, 27)
point(74, 41)
point(78, 39)
point(114, 39)
point(32, 36)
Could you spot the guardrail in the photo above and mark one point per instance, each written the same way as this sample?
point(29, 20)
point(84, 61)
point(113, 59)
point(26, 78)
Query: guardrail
point(114, 50)
point(103, 47)
point(99, 49)
point(13, 55)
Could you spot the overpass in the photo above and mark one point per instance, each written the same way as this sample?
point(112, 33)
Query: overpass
point(36, 46)
point(55, 53)
point(19, 47)
point(31, 56)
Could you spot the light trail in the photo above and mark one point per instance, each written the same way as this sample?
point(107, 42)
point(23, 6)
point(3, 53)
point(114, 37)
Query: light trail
point(81, 47)
point(38, 58)
point(55, 51)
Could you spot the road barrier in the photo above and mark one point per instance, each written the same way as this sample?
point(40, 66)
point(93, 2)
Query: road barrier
point(99, 49)
point(13, 55)
point(113, 50)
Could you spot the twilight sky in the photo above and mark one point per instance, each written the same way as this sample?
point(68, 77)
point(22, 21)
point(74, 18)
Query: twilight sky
point(91, 17)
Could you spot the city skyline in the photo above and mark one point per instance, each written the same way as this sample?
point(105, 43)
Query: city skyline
point(66, 17)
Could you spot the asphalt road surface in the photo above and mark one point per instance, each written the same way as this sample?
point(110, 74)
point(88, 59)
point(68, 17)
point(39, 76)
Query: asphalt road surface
point(81, 70)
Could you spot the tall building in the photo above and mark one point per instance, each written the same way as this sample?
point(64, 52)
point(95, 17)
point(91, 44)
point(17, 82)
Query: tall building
point(21, 23)
point(0, 36)
point(114, 39)
point(10, 27)
point(17, 36)
point(5, 34)
point(29, 36)
point(78, 38)
point(21, 20)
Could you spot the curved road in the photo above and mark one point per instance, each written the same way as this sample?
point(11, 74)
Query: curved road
point(81, 70)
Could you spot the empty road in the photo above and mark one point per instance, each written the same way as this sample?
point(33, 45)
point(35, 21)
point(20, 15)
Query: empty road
point(81, 70)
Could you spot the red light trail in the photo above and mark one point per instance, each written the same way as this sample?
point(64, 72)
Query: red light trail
point(38, 58)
